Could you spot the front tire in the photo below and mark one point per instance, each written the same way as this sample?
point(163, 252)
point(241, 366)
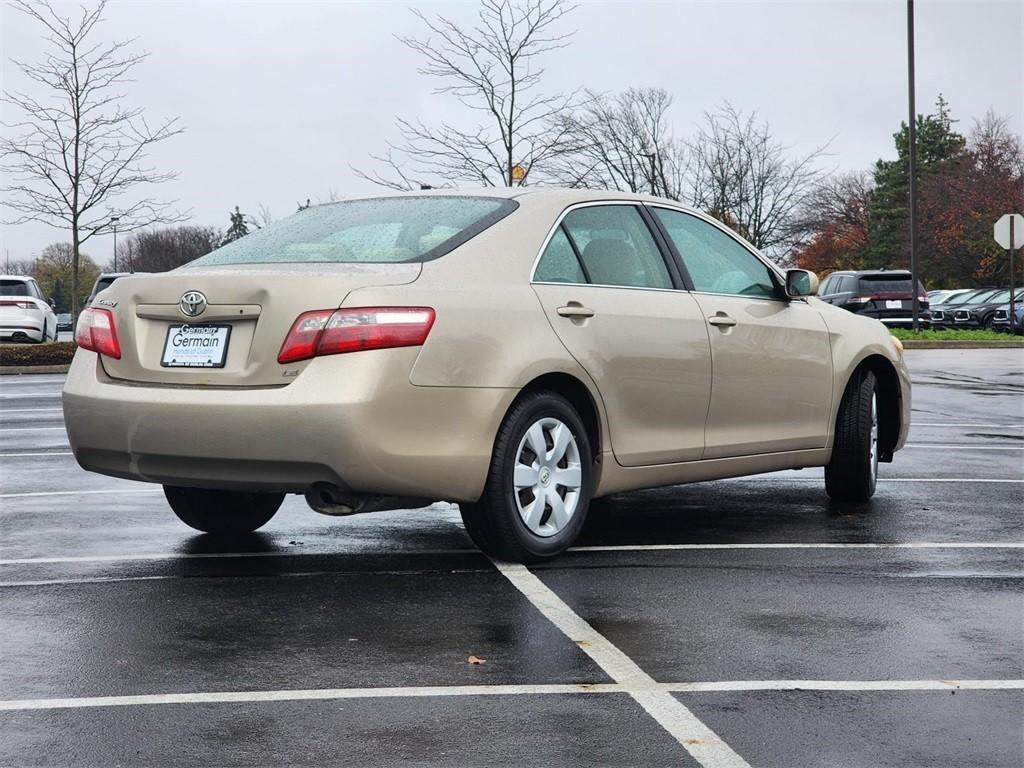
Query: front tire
point(222, 512)
point(538, 487)
point(852, 473)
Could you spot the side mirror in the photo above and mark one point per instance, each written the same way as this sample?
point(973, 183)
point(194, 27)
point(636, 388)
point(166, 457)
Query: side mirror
point(53, 304)
point(801, 282)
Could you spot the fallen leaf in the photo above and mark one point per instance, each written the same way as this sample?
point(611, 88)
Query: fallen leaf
point(476, 660)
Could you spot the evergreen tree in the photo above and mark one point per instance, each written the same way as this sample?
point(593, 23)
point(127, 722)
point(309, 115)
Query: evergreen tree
point(237, 229)
point(938, 147)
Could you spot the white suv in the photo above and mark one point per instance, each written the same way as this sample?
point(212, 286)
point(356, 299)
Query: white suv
point(24, 314)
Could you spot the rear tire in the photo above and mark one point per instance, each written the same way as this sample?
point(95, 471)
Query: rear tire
point(222, 512)
point(534, 506)
point(852, 473)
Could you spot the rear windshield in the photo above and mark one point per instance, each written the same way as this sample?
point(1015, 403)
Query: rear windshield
point(103, 283)
point(885, 284)
point(14, 288)
point(381, 231)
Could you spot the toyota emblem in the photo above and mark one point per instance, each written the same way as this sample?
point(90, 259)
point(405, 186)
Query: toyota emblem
point(192, 304)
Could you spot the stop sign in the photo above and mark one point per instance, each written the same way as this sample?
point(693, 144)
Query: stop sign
point(1002, 230)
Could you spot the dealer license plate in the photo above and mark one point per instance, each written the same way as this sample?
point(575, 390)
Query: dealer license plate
point(196, 346)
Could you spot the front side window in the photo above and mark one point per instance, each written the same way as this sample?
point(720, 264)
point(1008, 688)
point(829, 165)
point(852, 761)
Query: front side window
point(380, 231)
point(616, 247)
point(717, 263)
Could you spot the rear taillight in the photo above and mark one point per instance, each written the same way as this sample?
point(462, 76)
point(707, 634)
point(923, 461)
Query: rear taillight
point(335, 331)
point(18, 304)
point(858, 300)
point(96, 332)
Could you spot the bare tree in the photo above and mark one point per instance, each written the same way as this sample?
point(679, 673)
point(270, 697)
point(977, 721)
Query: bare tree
point(743, 175)
point(995, 147)
point(18, 267)
point(158, 250)
point(622, 142)
point(492, 69)
point(78, 151)
point(840, 200)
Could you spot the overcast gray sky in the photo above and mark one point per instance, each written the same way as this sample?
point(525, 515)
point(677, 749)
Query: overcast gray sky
point(279, 97)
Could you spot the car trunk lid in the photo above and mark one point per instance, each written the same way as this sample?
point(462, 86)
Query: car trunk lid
point(249, 309)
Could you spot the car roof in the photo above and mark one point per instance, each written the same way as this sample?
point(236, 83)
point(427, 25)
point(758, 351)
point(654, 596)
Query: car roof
point(23, 278)
point(552, 195)
point(871, 272)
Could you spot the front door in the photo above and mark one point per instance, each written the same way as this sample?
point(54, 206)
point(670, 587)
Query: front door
point(608, 294)
point(772, 358)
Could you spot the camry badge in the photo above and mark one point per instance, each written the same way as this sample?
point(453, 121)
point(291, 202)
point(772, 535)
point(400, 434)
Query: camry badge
point(192, 304)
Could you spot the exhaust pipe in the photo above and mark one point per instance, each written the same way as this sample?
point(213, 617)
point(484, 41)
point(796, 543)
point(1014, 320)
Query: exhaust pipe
point(328, 499)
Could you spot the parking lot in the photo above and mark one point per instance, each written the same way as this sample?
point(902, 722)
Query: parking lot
point(733, 623)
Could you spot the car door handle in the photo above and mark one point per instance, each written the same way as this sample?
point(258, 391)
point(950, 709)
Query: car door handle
point(575, 310)
point(723, 321)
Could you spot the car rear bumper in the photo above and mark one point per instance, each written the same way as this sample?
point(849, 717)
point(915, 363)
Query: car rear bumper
point(351, 420)
point(901, 322)
point(22, 329)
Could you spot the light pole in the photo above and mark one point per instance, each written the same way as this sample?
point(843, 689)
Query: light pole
point(915, 304)
point(113, 223)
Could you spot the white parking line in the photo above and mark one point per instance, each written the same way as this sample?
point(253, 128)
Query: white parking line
point(819, 479)
point(331, 694)
point(706, 747)
point(44, 453)
point(796, 545)
point(78, 493)
point(155, 556)
point(34, 429)
point(848, 685)
point(48, 395)
point(962, 447)
point(976, 426)
point(29, 410)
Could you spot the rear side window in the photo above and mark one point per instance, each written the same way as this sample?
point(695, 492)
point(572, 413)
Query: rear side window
point(14, 288)
point(378, 231)
point(559, 263)
point(616, 247)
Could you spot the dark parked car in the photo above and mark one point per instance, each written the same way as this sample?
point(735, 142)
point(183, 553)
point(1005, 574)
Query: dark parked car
point(104, 281)
point(980, 314)
point(65, 322)
point(942, 314)
point(885, 295)
point(1001, 317)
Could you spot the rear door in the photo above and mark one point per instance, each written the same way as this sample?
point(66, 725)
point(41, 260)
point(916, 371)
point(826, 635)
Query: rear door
point(772, 358)
point(609, 294)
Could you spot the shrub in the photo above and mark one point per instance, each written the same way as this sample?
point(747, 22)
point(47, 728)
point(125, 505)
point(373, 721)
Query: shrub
point(52, 353)
point(950, 334)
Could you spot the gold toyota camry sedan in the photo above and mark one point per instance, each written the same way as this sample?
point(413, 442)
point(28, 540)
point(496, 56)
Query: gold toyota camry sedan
point(520, 352)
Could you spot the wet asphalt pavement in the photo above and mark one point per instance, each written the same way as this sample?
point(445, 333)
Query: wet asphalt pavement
point(319, 641)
